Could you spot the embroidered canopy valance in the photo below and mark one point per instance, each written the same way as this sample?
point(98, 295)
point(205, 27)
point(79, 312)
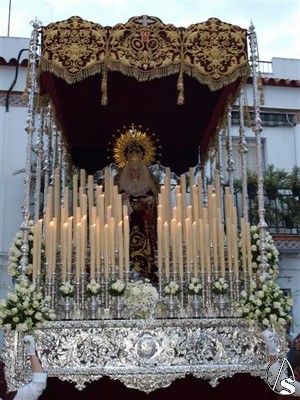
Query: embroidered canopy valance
point(176, 81)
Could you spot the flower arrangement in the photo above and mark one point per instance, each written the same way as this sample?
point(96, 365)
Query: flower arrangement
point(220, 286)
point(92, 288)
point(194, 287)
point(271, 250)
point(265, 303)
point(67, 289)
point(171, 288)
point(25, 308)
point(15, 253)
point(116, 288)
point(140, 294)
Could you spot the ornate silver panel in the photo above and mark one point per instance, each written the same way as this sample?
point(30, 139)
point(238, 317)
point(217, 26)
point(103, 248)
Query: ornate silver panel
point(143, 354)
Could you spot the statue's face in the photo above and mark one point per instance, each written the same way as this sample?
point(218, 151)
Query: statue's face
point(134, 172)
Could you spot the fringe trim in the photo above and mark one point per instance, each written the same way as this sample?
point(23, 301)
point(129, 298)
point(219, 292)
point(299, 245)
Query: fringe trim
point(205, 79)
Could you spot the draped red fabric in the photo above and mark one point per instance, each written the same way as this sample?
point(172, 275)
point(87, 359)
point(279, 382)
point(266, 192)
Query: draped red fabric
point(240, 386)
point(181, 129)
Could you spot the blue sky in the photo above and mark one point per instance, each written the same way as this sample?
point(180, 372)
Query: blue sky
point(277, 23)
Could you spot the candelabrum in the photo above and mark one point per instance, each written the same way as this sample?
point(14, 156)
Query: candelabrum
point(195, 303)
point(93, 306)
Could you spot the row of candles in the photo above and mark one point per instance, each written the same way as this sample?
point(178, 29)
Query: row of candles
point(191, 237)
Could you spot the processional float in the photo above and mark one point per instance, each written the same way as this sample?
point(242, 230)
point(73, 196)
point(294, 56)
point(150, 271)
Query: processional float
point(75, 236)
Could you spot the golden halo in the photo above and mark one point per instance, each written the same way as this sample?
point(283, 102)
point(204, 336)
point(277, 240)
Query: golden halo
point(134, 145)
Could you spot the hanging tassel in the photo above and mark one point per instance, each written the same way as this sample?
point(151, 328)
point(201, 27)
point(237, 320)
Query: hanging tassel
point(104, 88)
point(180, 88)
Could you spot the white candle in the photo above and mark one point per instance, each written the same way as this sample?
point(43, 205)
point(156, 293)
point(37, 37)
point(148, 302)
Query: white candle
point(159, 243)
point(39, 244)
point(64, 248)
point(70, 244)
point(126, 242)
point(195, 247)
point(207, 250)
point(167, 250)
point(106, 252)
point(112, 242)
point(82, 179)
point(78, 252)
point(120, 250)
point(75, 193)
point(180, 252)
point(93, 250)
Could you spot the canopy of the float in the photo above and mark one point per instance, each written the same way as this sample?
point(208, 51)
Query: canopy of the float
point(177, 82)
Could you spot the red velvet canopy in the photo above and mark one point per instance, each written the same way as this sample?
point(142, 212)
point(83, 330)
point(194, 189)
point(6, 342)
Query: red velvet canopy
point(176, 82)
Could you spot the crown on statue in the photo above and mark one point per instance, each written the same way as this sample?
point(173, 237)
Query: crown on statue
point(134, 145)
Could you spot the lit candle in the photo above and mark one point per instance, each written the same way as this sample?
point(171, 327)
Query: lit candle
point(207, 250)
point(120, 249)
point(195, 247)
point(56, 192)
point(167, 250)
point(50, 247)
point(64, 248)
point(174, 243)
point(93, 252)
point(180, 252)
point(126, 242)
point(221, 235)
point(194, 195)
point(54, 244)
point(159, 243)
point(70, 229)
point(112, 243)
point(66, 201)
point(39, 244)
point(78, 252)
point(106, 252)
point(188, 242)
point(215, 244)
point(202, 244)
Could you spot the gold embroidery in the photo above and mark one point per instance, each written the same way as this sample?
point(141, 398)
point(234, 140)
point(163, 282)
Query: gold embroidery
point(213, 52)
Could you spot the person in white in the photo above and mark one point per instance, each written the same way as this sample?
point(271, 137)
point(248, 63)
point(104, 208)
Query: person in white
point(34, 389)
point(278, 376)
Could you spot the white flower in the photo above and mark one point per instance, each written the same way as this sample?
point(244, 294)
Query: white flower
point(171, 288)
point(220, 286)
point(67, 289)
point(117, 288)
point(93, 288)
point(140, 294)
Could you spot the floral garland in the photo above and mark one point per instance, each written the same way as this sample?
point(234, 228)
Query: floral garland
point(25, 308)
point(271, 251)
point(265, 303)
point(15, 253)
